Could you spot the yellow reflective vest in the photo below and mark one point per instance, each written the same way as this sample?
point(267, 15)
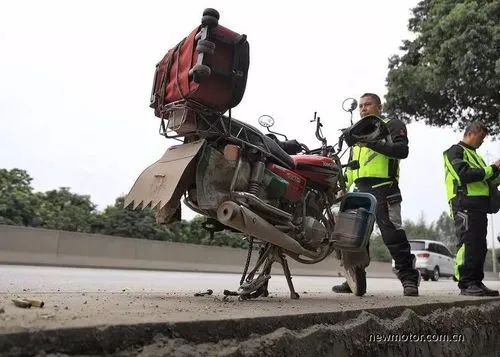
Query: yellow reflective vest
point(453, 182)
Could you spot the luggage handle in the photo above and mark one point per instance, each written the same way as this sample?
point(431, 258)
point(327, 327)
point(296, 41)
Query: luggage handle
point(153, 99)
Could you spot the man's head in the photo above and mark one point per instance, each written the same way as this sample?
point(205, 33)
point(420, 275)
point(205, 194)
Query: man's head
point(474, 134)
point(370, 104)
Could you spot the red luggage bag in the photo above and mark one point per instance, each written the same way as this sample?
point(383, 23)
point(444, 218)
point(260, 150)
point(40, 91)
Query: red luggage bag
point(208, 67)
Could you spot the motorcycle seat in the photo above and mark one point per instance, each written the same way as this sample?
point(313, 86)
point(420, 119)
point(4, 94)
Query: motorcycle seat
point(256, 137)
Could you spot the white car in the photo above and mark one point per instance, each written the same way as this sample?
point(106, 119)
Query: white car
point(434, 259)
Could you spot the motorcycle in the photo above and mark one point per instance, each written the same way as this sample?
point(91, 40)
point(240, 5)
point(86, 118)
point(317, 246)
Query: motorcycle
point(278, 193)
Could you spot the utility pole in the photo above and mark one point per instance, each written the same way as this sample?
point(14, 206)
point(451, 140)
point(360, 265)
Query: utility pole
point(493, 252)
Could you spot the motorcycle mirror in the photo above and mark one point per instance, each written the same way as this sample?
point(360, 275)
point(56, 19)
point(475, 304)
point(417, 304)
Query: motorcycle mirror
point(266, 121)
point(349, 105)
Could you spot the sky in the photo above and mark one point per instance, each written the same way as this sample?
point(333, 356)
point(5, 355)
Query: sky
point(76, 76)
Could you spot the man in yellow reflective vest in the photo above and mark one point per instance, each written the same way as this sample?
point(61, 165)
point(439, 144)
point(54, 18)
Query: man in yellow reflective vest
point(467, 179)
point(378, 173)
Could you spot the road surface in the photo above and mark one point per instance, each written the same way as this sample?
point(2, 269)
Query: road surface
point(87, 297)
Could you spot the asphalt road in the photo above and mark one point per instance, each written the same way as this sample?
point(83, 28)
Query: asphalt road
point(83, 297)
point(56, 279)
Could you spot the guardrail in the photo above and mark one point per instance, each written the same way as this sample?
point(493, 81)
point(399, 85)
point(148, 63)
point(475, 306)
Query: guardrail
point(35, 246)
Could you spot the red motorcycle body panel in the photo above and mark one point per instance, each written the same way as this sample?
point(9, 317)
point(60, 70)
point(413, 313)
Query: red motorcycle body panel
point(296, 182)
point(319, 169)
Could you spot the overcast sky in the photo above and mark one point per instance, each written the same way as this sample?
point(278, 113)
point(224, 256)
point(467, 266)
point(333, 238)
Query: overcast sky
point(75, 80)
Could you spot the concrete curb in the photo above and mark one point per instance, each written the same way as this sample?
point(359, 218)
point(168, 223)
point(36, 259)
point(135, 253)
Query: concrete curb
point(483, 319)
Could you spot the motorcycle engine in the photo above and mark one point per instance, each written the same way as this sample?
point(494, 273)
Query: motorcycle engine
point(315, 232)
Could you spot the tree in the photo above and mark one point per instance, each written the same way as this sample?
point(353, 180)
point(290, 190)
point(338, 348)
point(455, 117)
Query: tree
point(420, 229)
point(445, 227)
point(126, 222)
point(63, 210)
point(193, 232)
point(449, 74)
point(17, 201)
point(378, 249)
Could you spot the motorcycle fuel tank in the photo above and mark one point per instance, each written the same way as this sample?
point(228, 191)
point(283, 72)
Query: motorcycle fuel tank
point(319, 169)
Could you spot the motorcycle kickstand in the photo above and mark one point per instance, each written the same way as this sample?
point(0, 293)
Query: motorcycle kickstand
point(267, 271)
point(282, 259)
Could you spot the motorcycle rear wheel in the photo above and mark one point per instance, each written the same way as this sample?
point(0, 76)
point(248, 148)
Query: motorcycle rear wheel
point(356, 279)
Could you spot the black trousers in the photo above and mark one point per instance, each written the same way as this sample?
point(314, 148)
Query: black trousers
point(471, 229)
point(388, 218)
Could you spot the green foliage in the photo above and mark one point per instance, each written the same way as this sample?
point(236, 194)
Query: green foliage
point(450, 72)
point(125, 222)
point(378, 250)
point(445, 226)
point(63, 210)
point(17, 202)
point(442, 230)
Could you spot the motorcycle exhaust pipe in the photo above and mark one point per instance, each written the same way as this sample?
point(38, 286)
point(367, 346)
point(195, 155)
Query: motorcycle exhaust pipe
point(244, 220)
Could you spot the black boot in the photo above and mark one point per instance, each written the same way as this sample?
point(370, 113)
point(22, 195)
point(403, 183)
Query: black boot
point(342, 288)
point(472, 290)
point(488, 291)
point(410, 279)
point(410, 286)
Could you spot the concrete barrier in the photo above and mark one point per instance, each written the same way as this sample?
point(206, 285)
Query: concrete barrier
point(34, 246)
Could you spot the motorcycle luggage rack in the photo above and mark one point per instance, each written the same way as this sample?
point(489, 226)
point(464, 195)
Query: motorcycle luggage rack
point(186, 118)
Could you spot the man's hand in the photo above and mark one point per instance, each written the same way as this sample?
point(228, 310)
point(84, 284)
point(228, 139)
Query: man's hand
point(339, 195)
point(497, 163)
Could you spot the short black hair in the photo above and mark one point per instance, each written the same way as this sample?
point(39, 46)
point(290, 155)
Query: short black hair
point(476, 127)
point(375, 97)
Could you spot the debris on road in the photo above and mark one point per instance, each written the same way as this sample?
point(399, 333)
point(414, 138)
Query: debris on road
point(208, 292)
point(2, 310)
point(21, 303)
point(35, 302)
point(27, 303)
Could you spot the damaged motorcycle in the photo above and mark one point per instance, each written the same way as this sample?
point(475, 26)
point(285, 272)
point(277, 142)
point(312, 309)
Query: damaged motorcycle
point(278, 193)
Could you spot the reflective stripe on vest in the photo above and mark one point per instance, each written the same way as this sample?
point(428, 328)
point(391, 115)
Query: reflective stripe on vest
point(452, 180)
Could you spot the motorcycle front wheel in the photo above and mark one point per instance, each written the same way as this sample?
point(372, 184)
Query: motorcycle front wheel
point(356, 279)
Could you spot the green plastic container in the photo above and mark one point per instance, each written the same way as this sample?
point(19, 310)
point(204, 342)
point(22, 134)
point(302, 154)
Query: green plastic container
point(276, 186)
